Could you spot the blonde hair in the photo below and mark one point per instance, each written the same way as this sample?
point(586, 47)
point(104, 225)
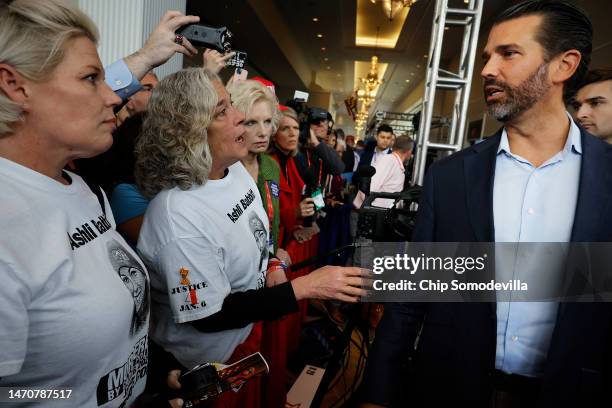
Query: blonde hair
point(247, 93)
point(33, 37)
point(172, 150)
point(290, 113)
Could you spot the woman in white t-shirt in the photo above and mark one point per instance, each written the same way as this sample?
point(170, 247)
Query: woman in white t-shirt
point(205, 228)
point(74, 297)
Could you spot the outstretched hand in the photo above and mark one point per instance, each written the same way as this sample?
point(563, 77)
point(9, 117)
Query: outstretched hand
point(333, 283)
point(161, 45)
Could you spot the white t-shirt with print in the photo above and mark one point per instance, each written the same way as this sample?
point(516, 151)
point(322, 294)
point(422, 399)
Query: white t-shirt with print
point(74, 298)
point(201, 245)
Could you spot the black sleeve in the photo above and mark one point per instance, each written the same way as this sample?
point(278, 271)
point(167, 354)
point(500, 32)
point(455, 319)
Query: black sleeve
point(425, 226)
point(241, 308)
point(331, 160)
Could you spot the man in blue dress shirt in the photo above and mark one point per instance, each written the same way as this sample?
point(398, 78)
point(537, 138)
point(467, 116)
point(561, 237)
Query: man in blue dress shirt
point(539, 179)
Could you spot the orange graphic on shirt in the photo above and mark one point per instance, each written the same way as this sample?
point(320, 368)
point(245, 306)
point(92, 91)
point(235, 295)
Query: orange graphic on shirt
point(192, 297)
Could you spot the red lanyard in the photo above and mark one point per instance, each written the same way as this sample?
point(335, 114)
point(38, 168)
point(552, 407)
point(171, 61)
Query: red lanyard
point(269, 205)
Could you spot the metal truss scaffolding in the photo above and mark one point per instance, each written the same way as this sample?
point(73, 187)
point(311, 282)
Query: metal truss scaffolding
point(439, 79)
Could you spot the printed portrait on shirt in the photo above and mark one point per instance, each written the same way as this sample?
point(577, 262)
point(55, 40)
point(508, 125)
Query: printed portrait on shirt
point(261, 238)
point(135, 280)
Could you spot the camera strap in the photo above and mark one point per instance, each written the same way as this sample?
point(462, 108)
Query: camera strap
point(320, 167)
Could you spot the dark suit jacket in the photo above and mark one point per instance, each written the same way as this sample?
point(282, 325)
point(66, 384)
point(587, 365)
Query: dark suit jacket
point(368, 153)
point(455, 355)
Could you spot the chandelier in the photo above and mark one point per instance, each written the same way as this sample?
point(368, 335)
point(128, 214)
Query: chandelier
point(366, 94)
point(371, 80)
point(392, 7)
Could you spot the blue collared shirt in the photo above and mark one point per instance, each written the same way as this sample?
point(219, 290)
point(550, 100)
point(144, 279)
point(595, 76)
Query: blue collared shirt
point(532, 205)
point(119, 77)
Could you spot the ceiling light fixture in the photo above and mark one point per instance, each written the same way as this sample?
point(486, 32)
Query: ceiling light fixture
point(392, 7)
point(320, 35)
point(315, 19)
point(365, 95)
point(323, 48)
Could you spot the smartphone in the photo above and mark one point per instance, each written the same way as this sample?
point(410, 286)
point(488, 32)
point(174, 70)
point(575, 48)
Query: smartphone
point(240, 74)
point(238, 60)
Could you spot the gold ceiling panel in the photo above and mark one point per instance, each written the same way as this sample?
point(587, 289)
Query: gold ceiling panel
point(369, 17)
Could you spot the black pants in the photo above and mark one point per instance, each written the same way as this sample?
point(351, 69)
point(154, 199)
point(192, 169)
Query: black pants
point(514, 391)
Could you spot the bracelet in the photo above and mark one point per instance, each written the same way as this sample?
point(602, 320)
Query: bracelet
point(275, 264)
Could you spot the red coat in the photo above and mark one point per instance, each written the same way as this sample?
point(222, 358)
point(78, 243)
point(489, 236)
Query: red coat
point(281, 337)
point(291, 187)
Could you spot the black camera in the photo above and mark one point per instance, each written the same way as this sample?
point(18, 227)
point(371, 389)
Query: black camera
point(314, 116)
point(318, 115)
point(381, 224)
point(210, 37)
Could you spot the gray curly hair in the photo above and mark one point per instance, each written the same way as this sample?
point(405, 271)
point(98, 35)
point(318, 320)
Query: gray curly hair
point(172, 150)
point(33, 37)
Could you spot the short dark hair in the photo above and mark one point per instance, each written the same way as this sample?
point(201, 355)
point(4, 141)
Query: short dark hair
point(597, 75)
point(339, 133)
point(384, 128)
point(564, 27)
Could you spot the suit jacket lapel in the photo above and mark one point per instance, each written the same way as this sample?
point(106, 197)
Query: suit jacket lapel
point(479, 169)
point(479, 174)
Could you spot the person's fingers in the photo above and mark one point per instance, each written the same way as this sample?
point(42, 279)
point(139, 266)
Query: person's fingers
point(187, 44)
point(173, 379)
point(169, 15)
point(228, 56)
point(355, 281)
point(180, 20)
point(345, 298)
point(353, 291)
point(183, 50)
point(176, 403)
point(354, 271)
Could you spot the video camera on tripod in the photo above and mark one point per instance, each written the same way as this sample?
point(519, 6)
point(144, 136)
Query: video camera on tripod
point(391, 223)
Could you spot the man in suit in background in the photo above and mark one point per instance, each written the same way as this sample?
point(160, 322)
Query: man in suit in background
point(539, 179)
point(384, 140)
point(593, 103)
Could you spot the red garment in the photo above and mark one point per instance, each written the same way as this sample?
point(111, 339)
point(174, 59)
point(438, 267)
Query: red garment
point(291, 187)
point(281, 337)
point(249, 394)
